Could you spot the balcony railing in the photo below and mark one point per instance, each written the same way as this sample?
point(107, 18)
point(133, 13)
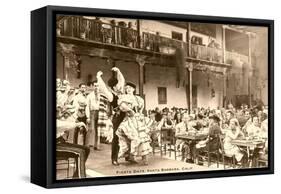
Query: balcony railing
point(206, 53)
point(96, 30)
point(124, 35)
point(233, 58)
point(157, 43)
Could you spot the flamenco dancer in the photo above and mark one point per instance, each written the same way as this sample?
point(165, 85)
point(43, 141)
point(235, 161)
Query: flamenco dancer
point(133, 133)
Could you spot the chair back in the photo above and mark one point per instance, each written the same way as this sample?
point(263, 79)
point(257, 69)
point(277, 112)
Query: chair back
point(221, 142)
point(168, 135)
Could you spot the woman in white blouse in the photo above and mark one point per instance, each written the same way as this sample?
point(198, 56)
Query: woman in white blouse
point(230, 149)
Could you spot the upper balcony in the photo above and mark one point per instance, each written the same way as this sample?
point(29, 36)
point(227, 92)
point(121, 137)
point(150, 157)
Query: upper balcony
point(124, 36)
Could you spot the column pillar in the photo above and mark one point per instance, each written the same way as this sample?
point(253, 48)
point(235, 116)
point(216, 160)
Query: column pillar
point(223, 44)
point(224, 89)
point(69, 59)
point(66, 65)
point(139, 34)
point(141, 62)
point(250, 71)
point(188, 39)
point(190, 69)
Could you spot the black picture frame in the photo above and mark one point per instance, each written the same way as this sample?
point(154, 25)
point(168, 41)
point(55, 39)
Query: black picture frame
point(43, 76)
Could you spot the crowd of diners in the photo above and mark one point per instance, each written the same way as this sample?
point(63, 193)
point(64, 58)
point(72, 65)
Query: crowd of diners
point(221, 126)
point(111, 112)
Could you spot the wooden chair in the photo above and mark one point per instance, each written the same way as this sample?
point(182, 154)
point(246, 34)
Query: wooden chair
point(262, 162)
point(155, 141)
point(206, 152)
point(64, 158)
point(153, 144)
point(68, 158)
point(215, 152)
point(224, 155)
point(167, 141)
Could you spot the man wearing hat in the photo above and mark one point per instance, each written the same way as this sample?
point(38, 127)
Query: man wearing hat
point(212, 142)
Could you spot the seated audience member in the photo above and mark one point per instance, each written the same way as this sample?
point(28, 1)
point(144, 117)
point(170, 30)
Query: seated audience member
point(170, 120)
point(167, 121)
point(188, 147)
point(212, 142)
point(261, 151)
point(154, 128)
point(264, 127)
point(229, 116)
point(158, 115)
point(243, 117)
point(64, 125)
point(182, 129)
point(248, 119)
point(178, 117)
point(260, 116)
point(253, 129)
point(230, 149)
point(200, 123)
point(192, 123)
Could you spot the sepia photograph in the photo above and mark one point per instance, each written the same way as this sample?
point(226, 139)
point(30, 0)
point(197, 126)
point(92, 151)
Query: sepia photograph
point(142, 97)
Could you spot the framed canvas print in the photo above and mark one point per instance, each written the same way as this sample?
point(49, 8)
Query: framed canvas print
point(126, 96)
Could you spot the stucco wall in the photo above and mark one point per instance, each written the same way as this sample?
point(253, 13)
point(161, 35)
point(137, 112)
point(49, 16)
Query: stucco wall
point(156, 76)
point(91, 65)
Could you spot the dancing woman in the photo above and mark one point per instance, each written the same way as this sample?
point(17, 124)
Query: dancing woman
point(133, 132)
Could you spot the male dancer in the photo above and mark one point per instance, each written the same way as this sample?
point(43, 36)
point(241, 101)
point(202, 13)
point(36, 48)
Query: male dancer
point(117, 87)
